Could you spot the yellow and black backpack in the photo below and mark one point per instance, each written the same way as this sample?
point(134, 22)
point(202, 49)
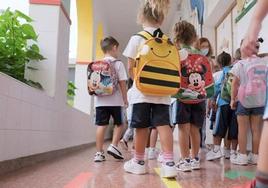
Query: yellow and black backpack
point(157, 67)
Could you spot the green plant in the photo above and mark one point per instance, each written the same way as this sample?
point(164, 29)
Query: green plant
point(18, 45)
point(70, 93)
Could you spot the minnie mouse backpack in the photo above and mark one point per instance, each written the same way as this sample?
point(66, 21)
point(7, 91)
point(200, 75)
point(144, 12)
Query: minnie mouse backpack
point(252, 90)
point(196, 78)
point(102, 78)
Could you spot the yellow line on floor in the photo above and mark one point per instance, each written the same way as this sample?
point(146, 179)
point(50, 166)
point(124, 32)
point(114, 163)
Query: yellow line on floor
point(170, 183)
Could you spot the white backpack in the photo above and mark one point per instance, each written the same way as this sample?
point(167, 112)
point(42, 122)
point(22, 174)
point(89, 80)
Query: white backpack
point(252, 90)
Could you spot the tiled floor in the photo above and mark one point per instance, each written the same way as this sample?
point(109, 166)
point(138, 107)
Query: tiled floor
point(78, 171)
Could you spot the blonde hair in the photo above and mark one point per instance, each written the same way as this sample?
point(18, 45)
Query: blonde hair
point(185, 33)
point(153, 11)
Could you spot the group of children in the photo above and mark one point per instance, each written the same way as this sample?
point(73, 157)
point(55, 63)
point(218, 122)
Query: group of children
point(152, 115)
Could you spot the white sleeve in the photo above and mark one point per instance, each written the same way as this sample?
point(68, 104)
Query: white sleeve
point(122, 74)
point(131, 51)
point(236, 70)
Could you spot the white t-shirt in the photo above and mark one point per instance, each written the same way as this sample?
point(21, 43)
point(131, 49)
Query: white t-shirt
point(237, 70)
point(131, 51)
point(217, 75)
point(116, 99)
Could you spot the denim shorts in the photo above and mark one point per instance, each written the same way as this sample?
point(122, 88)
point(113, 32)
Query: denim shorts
point(242, 111)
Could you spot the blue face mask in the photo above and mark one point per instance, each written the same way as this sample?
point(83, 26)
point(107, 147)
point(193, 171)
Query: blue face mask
point(204, 51)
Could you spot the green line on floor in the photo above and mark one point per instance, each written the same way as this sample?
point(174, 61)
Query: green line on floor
point(232, 174)
point(170, 183)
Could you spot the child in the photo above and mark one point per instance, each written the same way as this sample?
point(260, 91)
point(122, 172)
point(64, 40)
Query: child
point(111, 105)
point(130, 131)
point(225, 117)
point(247, 117)
point(190, 117)
point(248, 49)
point(149, 109)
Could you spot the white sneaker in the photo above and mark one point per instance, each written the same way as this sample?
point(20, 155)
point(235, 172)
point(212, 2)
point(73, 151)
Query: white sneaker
point(123, 144)
point(252, 158)
point(160, 157)
point(168, 170)
point(227, 153)
point(184, 165)
point(114, 151)
point(99, 157)
point(152, 153)
point(233, 155)
point(133, 167)
point(212, 155)
point(195, 163)
point(241, 159)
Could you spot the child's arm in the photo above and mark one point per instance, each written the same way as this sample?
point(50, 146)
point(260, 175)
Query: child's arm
point(123, 88)
point(234, 92)
point(131, 64)
point(249, 45)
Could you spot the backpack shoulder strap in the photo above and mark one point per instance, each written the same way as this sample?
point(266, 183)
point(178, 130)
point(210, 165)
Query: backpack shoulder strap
point(145, 35)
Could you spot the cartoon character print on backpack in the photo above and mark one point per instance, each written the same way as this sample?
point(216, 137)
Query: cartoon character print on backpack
point(101, 78)
point(196, 83)
point(196, 78)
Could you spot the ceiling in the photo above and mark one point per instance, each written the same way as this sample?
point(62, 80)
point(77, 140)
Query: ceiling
point(121, 18)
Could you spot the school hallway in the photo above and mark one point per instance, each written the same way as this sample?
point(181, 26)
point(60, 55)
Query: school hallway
point(77, 170)
point(52, 95)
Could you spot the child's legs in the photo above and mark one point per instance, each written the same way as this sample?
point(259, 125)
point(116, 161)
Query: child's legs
point(166, 138)
point(243, 124)
point(117, 134)
point(117, 114)
point(100, 137)
point(160, 119)
point(153, 137)
point(256, 127)
point(128, 134)
point(221, 124)
point(197, 118)
point(263, 152)
point(184, 135)
point(227, 143)
point(102, 121)
point(140, 120)
point(195, 140)
point(233, 130)
point(141, 138)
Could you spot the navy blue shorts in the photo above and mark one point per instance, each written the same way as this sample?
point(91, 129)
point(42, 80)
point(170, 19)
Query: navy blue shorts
point(226, 121)
point(265, 117)
point(149, 115)
point(242, 111)
point(191, 113)
point(104, 113)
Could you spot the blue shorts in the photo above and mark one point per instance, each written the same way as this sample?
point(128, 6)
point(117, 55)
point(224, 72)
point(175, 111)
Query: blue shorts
point(226, 122)
point(242, 111)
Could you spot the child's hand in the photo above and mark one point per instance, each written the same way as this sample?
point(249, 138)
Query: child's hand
point(233, 104)
point(249, 44)
point(126, 103)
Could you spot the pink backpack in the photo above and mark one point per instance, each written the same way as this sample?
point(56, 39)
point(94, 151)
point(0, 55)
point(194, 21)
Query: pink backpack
point(102, 78)
point(252, 90)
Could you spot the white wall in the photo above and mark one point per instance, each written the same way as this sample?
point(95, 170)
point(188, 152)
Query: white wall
point(33, 122)
point(21, 5)
point(244, 24)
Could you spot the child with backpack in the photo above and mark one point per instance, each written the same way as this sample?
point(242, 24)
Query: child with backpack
point(153, 60)
point(226, 121)
point(196, 87)
point(248, 98)
point(107, 81)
